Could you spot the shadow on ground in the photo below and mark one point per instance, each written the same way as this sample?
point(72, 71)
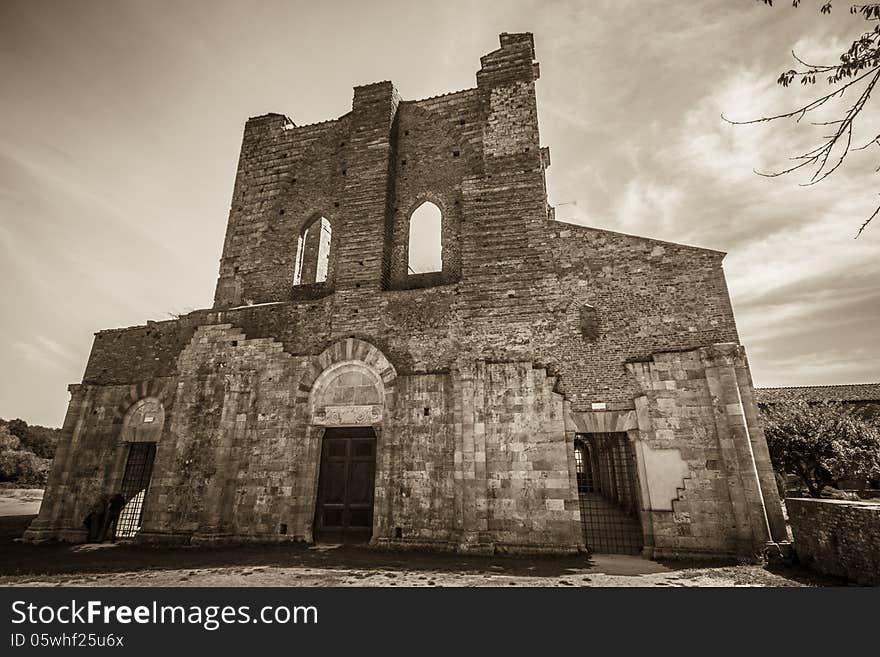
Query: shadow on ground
point(17, 558)
point(50, 561)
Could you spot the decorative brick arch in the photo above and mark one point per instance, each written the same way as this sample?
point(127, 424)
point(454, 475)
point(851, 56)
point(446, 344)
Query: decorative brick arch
point(352, 355)
point(152, 389)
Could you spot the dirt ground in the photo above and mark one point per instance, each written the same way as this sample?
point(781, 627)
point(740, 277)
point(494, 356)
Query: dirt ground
point(58, 564)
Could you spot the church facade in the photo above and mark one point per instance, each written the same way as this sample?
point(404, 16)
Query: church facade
point(543, 387)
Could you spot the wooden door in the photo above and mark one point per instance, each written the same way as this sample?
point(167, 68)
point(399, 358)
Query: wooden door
point(344, 509)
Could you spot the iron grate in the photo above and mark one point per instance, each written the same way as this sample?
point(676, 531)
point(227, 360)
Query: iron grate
point(607, 493)
point(135, 481)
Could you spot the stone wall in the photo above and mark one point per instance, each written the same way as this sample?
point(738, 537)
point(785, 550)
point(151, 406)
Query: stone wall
point(837, 537)
point(530, 323)
point(475, 459)
point(705, 479)
point(514, 284)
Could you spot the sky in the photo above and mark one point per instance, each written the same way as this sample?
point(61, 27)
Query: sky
point(121, 122)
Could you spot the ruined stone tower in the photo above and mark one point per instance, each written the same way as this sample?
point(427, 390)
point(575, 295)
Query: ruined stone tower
point(545, 387)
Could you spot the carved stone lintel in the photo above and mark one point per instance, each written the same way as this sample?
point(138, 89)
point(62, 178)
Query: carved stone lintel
point(348, 416)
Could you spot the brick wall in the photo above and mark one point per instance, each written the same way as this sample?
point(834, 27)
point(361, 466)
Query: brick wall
point(837, 537)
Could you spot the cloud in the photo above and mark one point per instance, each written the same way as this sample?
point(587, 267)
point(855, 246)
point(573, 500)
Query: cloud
point(122, 125)
point(649, 206)
point(46, 353)
point(798, 279)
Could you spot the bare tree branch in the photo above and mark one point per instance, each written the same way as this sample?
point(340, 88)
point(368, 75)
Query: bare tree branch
point(860, 63)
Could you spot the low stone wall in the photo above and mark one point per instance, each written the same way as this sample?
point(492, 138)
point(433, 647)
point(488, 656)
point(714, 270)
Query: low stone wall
point(837, 537)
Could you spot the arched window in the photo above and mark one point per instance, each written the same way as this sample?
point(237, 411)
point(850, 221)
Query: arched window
point(313, 252)
point(425, 251)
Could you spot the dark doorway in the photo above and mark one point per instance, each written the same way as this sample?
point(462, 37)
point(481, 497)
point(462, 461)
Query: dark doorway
point(608, 493)
point(344, 510)
point(135, 482)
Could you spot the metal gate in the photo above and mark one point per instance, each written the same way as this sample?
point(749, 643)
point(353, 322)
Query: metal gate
point(135, 482)
point(608, 493)
point(344, 509)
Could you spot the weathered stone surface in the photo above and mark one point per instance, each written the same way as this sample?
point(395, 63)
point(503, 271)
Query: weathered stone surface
point(837, 537)
point(476, 378)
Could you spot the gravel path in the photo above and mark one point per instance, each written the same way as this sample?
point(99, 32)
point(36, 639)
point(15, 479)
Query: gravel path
point(292, 576)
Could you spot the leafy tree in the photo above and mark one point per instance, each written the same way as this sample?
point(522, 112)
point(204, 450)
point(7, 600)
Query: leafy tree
point(821, 443)
point(17, 427)
point(34, 438)
point(42, 441)
point(8, 440)
point(18, 465)
point(858, 72)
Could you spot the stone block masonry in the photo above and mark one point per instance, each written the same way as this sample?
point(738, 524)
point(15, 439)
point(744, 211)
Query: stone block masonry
point(837, 537)
point(470, 385)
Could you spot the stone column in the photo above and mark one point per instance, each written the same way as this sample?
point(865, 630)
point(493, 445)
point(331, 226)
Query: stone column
point(763, 465)
point(735, 446)
point(471, 498)
point(306, 482)
point(48, 524)
point(638, 434)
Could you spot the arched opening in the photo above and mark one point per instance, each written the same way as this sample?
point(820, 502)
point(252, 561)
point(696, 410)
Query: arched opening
point(141, 430)
point(608, 494)
point(313, 252)
point(425, 243)
point(347, 400)
point(349, 390)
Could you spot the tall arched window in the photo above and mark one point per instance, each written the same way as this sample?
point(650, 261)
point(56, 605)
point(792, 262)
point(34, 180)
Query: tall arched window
point(313, 252)
point(425, 251)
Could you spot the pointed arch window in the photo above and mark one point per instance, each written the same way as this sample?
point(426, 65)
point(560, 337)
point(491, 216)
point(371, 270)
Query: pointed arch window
point(313, 252)
point(425, 243)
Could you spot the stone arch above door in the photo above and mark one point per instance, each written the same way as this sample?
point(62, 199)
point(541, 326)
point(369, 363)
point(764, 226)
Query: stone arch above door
point(351, 383)
point(159, 390)
point(144, 421)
